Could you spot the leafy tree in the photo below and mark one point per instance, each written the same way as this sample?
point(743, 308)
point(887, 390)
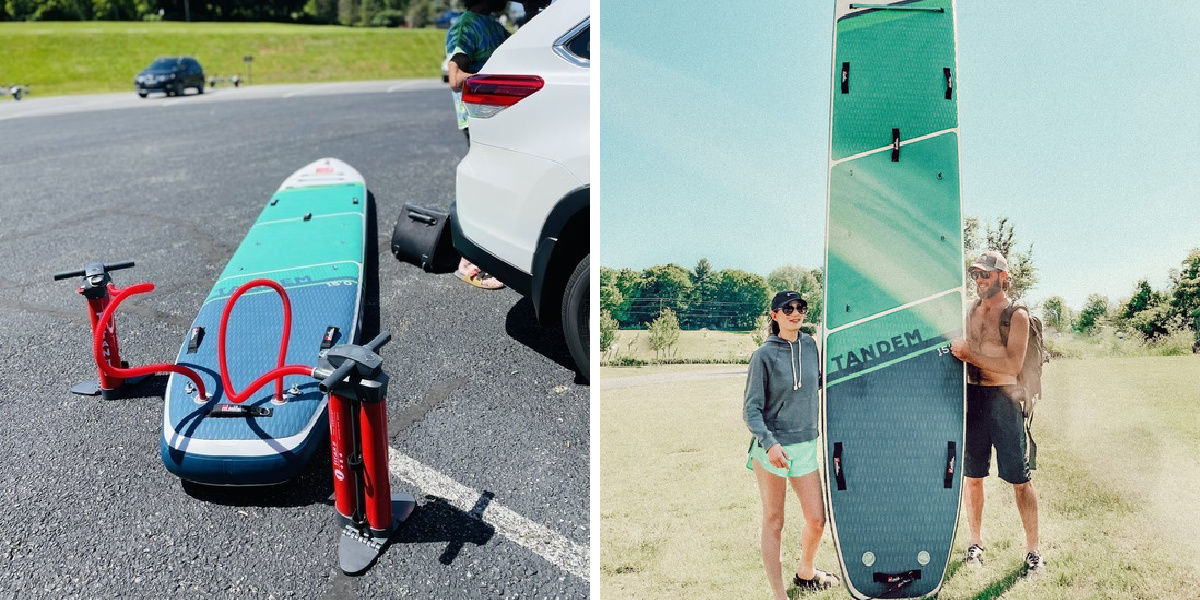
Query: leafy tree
point(664, 286)
point(1022, 274)
point(1185, 291)
point(1146, 312)
point(1095, 313)
point(743, 297)
point(610, 293)
point(1057, 314)
point(618, 288)
point(608, 330)
point(663, 333)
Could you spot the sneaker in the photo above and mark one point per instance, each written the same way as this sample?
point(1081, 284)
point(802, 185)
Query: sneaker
point(1034, 565)
point(974, 556)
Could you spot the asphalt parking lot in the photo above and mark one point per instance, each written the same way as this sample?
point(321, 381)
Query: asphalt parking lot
point(488, 422)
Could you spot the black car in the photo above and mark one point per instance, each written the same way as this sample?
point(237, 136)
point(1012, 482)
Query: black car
point(171, 76)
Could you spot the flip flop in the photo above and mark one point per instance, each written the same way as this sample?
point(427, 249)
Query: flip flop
point(480, 280)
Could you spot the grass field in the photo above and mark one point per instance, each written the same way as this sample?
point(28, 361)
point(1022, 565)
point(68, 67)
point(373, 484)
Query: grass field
point(76, 58)
point(692, 345)
point(1119, 487)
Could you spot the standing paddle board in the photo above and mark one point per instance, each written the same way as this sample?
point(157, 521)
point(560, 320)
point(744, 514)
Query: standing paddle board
point(894, 401)
point(310, 238)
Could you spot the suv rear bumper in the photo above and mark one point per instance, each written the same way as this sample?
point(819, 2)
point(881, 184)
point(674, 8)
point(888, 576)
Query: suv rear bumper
point(520, 281)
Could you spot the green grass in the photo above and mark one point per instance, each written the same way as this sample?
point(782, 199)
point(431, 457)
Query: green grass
point(78, 58)
point(1119, 488)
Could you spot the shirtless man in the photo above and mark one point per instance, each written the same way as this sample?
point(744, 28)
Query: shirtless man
point(993, 417)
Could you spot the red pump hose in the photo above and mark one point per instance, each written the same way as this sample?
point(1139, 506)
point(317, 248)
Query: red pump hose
point(126, 373)
point(279, 372)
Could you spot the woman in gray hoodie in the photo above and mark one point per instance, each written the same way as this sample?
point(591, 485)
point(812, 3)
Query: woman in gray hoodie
point(781, 409)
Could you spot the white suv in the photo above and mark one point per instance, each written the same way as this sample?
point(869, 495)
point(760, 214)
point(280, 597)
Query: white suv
point(523, 190)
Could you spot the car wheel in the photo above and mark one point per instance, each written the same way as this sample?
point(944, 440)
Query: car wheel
point(575, 319)
point(141, 94)
point(200, 89)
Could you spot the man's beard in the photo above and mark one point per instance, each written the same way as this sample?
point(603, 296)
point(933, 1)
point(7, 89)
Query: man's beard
point(989, 291)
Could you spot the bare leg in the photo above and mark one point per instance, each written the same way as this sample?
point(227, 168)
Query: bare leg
point(1027, 505)
point(973, 493)
point(773, 491)
point(808, 490)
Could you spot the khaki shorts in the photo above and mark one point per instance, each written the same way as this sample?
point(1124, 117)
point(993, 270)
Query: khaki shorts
point(802, 458)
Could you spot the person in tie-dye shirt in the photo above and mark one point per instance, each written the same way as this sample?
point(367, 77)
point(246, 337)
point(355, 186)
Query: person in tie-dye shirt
point(469, 43)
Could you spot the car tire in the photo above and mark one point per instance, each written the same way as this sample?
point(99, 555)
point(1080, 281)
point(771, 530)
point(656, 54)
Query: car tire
point(575, 316)
point(200, 89)
point(142, 94)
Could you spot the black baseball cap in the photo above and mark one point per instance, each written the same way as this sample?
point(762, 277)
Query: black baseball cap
point(784, 298)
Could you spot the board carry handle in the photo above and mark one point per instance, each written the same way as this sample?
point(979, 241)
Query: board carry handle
point(896, 581)
point(951, 455)
point(839, 470)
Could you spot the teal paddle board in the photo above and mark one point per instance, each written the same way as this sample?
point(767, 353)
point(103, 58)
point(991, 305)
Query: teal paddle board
point(894, 397)
point(310, 238)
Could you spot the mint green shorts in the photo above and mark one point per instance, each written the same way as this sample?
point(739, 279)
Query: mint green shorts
point(802, 458)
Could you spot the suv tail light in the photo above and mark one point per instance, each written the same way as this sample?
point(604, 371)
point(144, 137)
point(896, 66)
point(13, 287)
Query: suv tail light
point(486, 95)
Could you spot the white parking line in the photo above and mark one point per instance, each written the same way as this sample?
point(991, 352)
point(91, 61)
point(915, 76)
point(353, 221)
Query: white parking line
point(548, 544)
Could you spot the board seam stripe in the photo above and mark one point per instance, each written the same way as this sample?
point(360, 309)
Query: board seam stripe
point(889, 147)
point(892, 310)
point(312, 266)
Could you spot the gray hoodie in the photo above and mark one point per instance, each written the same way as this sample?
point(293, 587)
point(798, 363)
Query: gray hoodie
point(781, 404)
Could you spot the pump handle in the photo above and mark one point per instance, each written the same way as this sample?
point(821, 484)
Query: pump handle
point(90, 269)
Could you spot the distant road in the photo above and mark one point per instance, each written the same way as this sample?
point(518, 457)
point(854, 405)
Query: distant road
point(32, 105)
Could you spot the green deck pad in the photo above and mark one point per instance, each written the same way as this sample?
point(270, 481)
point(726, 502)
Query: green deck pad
point(896, 78)
point(295, 203)
point(895, 233)
point(287, 244)
point(892, 338)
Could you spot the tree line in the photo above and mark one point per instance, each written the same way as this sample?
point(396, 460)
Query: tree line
point(729, 299)
point(1149, 313)
point(376, 13)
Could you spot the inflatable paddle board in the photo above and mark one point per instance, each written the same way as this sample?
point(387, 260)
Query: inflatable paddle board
point(894, 401)
point(309, 238)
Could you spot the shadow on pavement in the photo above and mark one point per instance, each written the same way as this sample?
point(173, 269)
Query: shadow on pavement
point(438, 521)
point(522, 325)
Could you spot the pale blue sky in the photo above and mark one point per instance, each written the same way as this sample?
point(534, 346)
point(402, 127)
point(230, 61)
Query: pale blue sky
point(1081, 124)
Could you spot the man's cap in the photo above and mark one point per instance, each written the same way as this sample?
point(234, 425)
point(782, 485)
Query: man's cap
point(784, 298)
point(990, 260)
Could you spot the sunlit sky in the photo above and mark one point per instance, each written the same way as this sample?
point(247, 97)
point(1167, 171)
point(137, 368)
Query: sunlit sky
point(1081, 124)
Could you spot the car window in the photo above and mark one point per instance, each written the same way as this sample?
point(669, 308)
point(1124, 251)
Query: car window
point(575, 46)
point(164, 63)
point(581, 44)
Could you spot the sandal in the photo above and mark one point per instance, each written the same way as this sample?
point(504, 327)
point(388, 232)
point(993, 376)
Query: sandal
point(480, 280)
point(822, 580)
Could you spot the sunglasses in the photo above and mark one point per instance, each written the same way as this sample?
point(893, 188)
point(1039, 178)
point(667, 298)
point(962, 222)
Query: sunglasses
point(980, 275)
point(791, 308)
